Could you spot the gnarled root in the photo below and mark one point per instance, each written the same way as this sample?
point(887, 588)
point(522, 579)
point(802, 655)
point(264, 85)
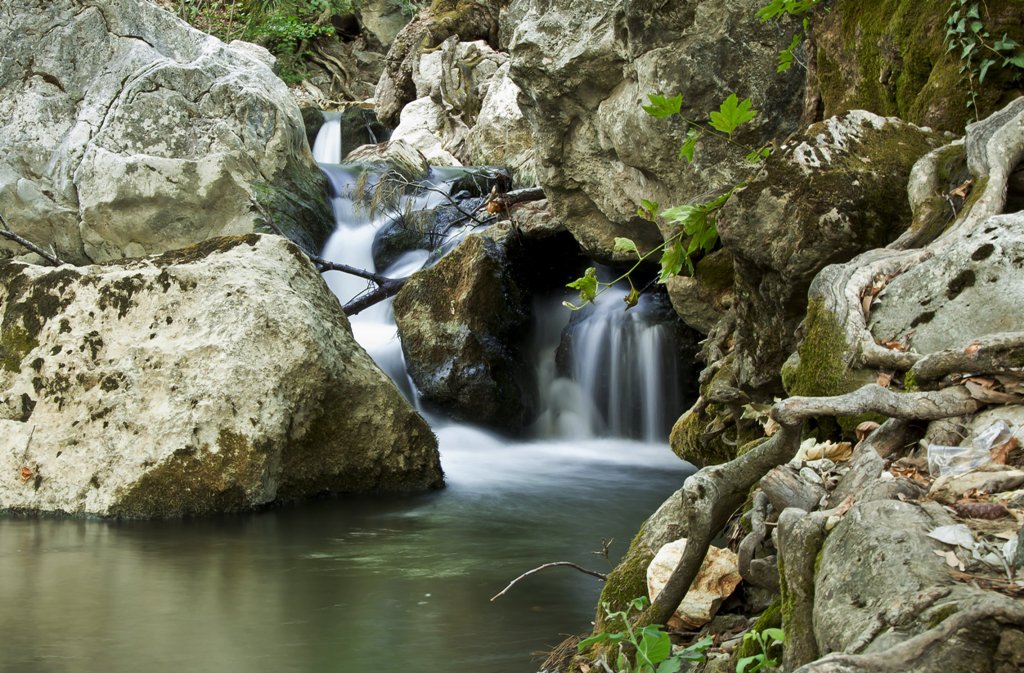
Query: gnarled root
point(712, 494)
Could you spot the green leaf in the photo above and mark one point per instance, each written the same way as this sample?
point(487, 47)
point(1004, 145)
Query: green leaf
point(1005, 43)
point(686, 151)
point(758, 155)
point(1017, 60)
point(587, 285)
point(632, 298)
point(670, 666)
point(743, 663)
point(592, 640)
point(731, 114)
point(655, 645)
point(786, 56)
point(983, 69)
point(672, 261)
point(777, 635)
point(968, 48)
point(639, 603)
point(663, 107)
point(972, 12)
point(625, 245)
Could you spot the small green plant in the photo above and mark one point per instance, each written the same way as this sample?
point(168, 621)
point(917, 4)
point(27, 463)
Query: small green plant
point(967, 37)
point(767, 640)
point(651, 646)
point(778, 9)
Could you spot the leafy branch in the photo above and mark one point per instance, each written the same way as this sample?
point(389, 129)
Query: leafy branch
point(766, 640)
point(650, 644)
point(966, 35)
point(778, 9)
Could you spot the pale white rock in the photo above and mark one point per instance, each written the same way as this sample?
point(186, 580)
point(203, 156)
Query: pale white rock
point(221, 377)
point(160, 137)
point(717, 578)
point(501, 135)
point(422, 127)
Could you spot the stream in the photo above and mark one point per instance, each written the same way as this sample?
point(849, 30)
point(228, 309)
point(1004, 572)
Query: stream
point(383, 584)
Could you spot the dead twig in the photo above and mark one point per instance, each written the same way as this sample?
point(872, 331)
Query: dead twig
point(555, 564)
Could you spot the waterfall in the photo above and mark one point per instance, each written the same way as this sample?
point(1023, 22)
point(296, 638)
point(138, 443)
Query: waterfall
point(603, 372)
point(327, 148)
point(611, 372)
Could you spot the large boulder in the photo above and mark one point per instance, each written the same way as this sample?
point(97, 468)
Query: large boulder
point(462, 323)
point(831, 192)
point(219, 377)
point(161, 137)
point(585, 71)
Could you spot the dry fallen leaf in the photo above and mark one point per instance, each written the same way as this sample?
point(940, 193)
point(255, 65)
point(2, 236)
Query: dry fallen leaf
point(26, 474)
point(884, 379)
point(984, 390)
point(972, 348)
point(963, 190)
point(951, 560)
point(1001, 453)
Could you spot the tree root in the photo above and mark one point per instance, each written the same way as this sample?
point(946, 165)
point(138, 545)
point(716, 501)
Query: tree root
point(712, 494)
point(904, 656)
point(990, 354)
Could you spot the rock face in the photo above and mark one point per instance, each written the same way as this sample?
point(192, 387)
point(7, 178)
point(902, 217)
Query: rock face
point(889, 57)
point(460, 322)
point(966, 291)
point(220, 377)
point(467, 19)
point(585, 70)
point(161, 138)
point(832, 191)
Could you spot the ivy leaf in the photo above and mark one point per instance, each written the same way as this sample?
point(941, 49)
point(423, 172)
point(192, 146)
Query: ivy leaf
point(661, 107)
point(1005, 43)
point(731, 114)
point(1017, 60)
point(647, 210)
point(686, 151)
point(672, 261)
point(592, 640)
point(587, 285)
point(625, 245)
point(983, 69)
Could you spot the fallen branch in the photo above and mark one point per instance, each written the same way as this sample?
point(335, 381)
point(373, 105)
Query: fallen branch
point(498, 202)
point(592, 573)
point(712, 494)
point(389, 288)
point(50, 257)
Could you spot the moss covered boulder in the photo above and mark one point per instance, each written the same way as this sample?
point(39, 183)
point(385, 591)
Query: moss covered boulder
point(890, 57)
point(222, 377)
point(462, 324)
point(829, 193)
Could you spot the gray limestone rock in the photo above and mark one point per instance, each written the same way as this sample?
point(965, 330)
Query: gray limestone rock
point(219, 377)
point(970, 288)
point(829, 193)
point(124, 132)
point(585, 70)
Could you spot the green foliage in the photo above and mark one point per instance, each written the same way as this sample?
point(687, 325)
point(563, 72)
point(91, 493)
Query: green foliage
point(651, 645)
point(767, 640)
point(779, 9)
point(285, 27)
point(731, 114)
point(967, 38)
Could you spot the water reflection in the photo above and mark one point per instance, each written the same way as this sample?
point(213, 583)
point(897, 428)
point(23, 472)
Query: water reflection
point(383, 584)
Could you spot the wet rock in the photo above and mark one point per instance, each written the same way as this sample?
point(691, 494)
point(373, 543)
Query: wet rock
point(831, 192)
point(161, 138)
point(221, 377)
point(395, 155)
point(585, 72)
point(462, 322)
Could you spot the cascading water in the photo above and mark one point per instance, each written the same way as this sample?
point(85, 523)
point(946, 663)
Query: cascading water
point(385, 584)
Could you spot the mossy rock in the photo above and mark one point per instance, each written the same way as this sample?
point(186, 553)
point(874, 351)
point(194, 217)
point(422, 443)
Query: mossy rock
point(889, 57)
point(821, 368)
point(771, 618)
